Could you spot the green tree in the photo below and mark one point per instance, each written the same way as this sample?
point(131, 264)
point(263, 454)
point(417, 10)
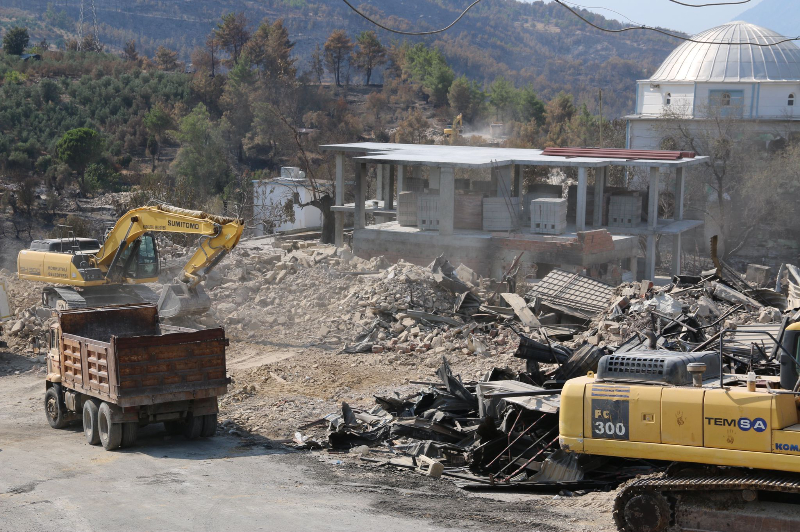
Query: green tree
point(158, 121)
point(232, 34)
point(460, 96)
point(531, 108)
point(337, 52)
point(437, 83)
point(166, 59)
point(269, 50)
point(129, 51)
point(369, 54)
point(201, 162)
point(502, 96)
point(15, 40)
point(79, 148)
point(558, 115)
point(317, 64)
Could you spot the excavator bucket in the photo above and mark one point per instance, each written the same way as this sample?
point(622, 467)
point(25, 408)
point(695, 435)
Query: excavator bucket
point(178, 300)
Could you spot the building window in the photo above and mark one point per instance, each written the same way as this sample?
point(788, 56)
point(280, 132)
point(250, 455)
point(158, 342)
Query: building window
point(791, 100)
point(727, 103)
point(668, 99)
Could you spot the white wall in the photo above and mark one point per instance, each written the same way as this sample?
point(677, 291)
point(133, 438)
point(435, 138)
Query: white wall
point(651, 100)
point(269, 195)
point(773, 100)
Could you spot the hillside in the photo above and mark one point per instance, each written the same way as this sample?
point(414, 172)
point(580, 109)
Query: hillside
point(782, 16)
point(533, 43)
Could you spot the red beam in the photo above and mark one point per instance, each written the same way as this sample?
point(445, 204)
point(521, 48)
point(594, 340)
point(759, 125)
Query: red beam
point(615, 153)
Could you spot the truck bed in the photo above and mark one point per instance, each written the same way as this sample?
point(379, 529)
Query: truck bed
point(124, 356)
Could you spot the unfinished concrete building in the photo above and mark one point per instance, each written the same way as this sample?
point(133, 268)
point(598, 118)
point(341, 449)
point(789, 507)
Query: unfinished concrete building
point(428, 202)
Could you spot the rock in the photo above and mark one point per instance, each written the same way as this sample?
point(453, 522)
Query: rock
point(769, 315)
point(17, 327)
point(377, 349)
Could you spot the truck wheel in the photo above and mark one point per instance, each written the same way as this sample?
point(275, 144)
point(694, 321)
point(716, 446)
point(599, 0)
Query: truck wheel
point(173, 428)
point(90, 429)
point(110, 433)
point(193, 426)
point(209, 426)
point(129, 433)
point(54, 408)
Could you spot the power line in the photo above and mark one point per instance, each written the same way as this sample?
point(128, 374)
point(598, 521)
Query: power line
point(668, 33)
point(473, 4)
point(709, 5)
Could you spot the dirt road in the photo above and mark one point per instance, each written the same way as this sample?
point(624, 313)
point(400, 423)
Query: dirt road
point(51, 479)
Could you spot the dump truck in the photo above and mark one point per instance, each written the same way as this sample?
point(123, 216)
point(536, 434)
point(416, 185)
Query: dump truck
point(118, 368)
point(85, 273)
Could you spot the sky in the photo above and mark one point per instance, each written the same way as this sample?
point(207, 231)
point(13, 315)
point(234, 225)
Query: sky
point(666, 14)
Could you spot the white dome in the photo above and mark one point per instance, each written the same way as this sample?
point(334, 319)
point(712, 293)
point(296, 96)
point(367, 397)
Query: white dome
point(739, 62)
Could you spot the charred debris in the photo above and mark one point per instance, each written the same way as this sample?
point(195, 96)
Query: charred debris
point(501, 431)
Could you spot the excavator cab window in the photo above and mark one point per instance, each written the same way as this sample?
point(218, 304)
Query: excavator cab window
point(140, 259)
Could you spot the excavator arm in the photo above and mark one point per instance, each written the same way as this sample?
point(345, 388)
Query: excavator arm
point(220, 234)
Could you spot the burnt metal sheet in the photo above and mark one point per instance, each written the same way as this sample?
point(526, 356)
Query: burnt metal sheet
point(493, 406)
point(560, 288)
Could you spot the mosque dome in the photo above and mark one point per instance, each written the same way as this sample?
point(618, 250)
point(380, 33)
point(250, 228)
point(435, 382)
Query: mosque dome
point(717, 60)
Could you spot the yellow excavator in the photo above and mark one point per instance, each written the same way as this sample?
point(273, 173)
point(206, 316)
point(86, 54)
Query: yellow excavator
point(88, 274)
point(730, 443)
point(453, 132)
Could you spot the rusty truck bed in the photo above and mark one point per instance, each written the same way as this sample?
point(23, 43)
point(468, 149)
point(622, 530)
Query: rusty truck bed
point(124, 356)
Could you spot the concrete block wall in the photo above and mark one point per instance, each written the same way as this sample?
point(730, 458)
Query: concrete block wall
point(428, 212)
point(407, 209)
point(500, 214)
point(624, 211)
point(548, 216)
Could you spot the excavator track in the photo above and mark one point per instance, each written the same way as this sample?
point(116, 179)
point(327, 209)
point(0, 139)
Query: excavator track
point(710, 500)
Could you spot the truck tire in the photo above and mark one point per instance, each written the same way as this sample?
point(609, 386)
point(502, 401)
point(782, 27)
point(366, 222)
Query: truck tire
point(193, 426)
point(110, 433)
point(90, 425)
point(209, 426)
point(129, 433)
point(54, 407)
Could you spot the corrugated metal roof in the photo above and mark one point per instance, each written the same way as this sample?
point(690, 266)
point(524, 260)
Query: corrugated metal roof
point(732, 62)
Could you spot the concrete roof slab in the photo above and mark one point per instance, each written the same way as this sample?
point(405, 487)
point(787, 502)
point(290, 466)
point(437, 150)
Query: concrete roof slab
point(483, 157)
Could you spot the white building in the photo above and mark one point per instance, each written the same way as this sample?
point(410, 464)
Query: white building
point(759, 84)
point(270, 195)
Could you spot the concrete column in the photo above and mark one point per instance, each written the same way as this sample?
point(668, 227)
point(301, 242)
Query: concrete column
point(633, 266)
point(505, 181)
point(416, 183)
point(580, 214)
point(379, 182)
point(652, 203)
point(518, 186)
point(650, 258)
point(447, 197)
point(390, 192)
point(434, 174)
point(360, 221)
point(676, 254)
point(400, 184)
point(652, 224)
point(599, 186)
point(680, 184)
point(339, 200)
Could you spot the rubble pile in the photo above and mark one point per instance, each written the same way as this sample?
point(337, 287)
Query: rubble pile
point(501, 429)
point(30, 320)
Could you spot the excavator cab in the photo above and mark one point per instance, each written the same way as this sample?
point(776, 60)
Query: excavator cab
point(140, 260)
